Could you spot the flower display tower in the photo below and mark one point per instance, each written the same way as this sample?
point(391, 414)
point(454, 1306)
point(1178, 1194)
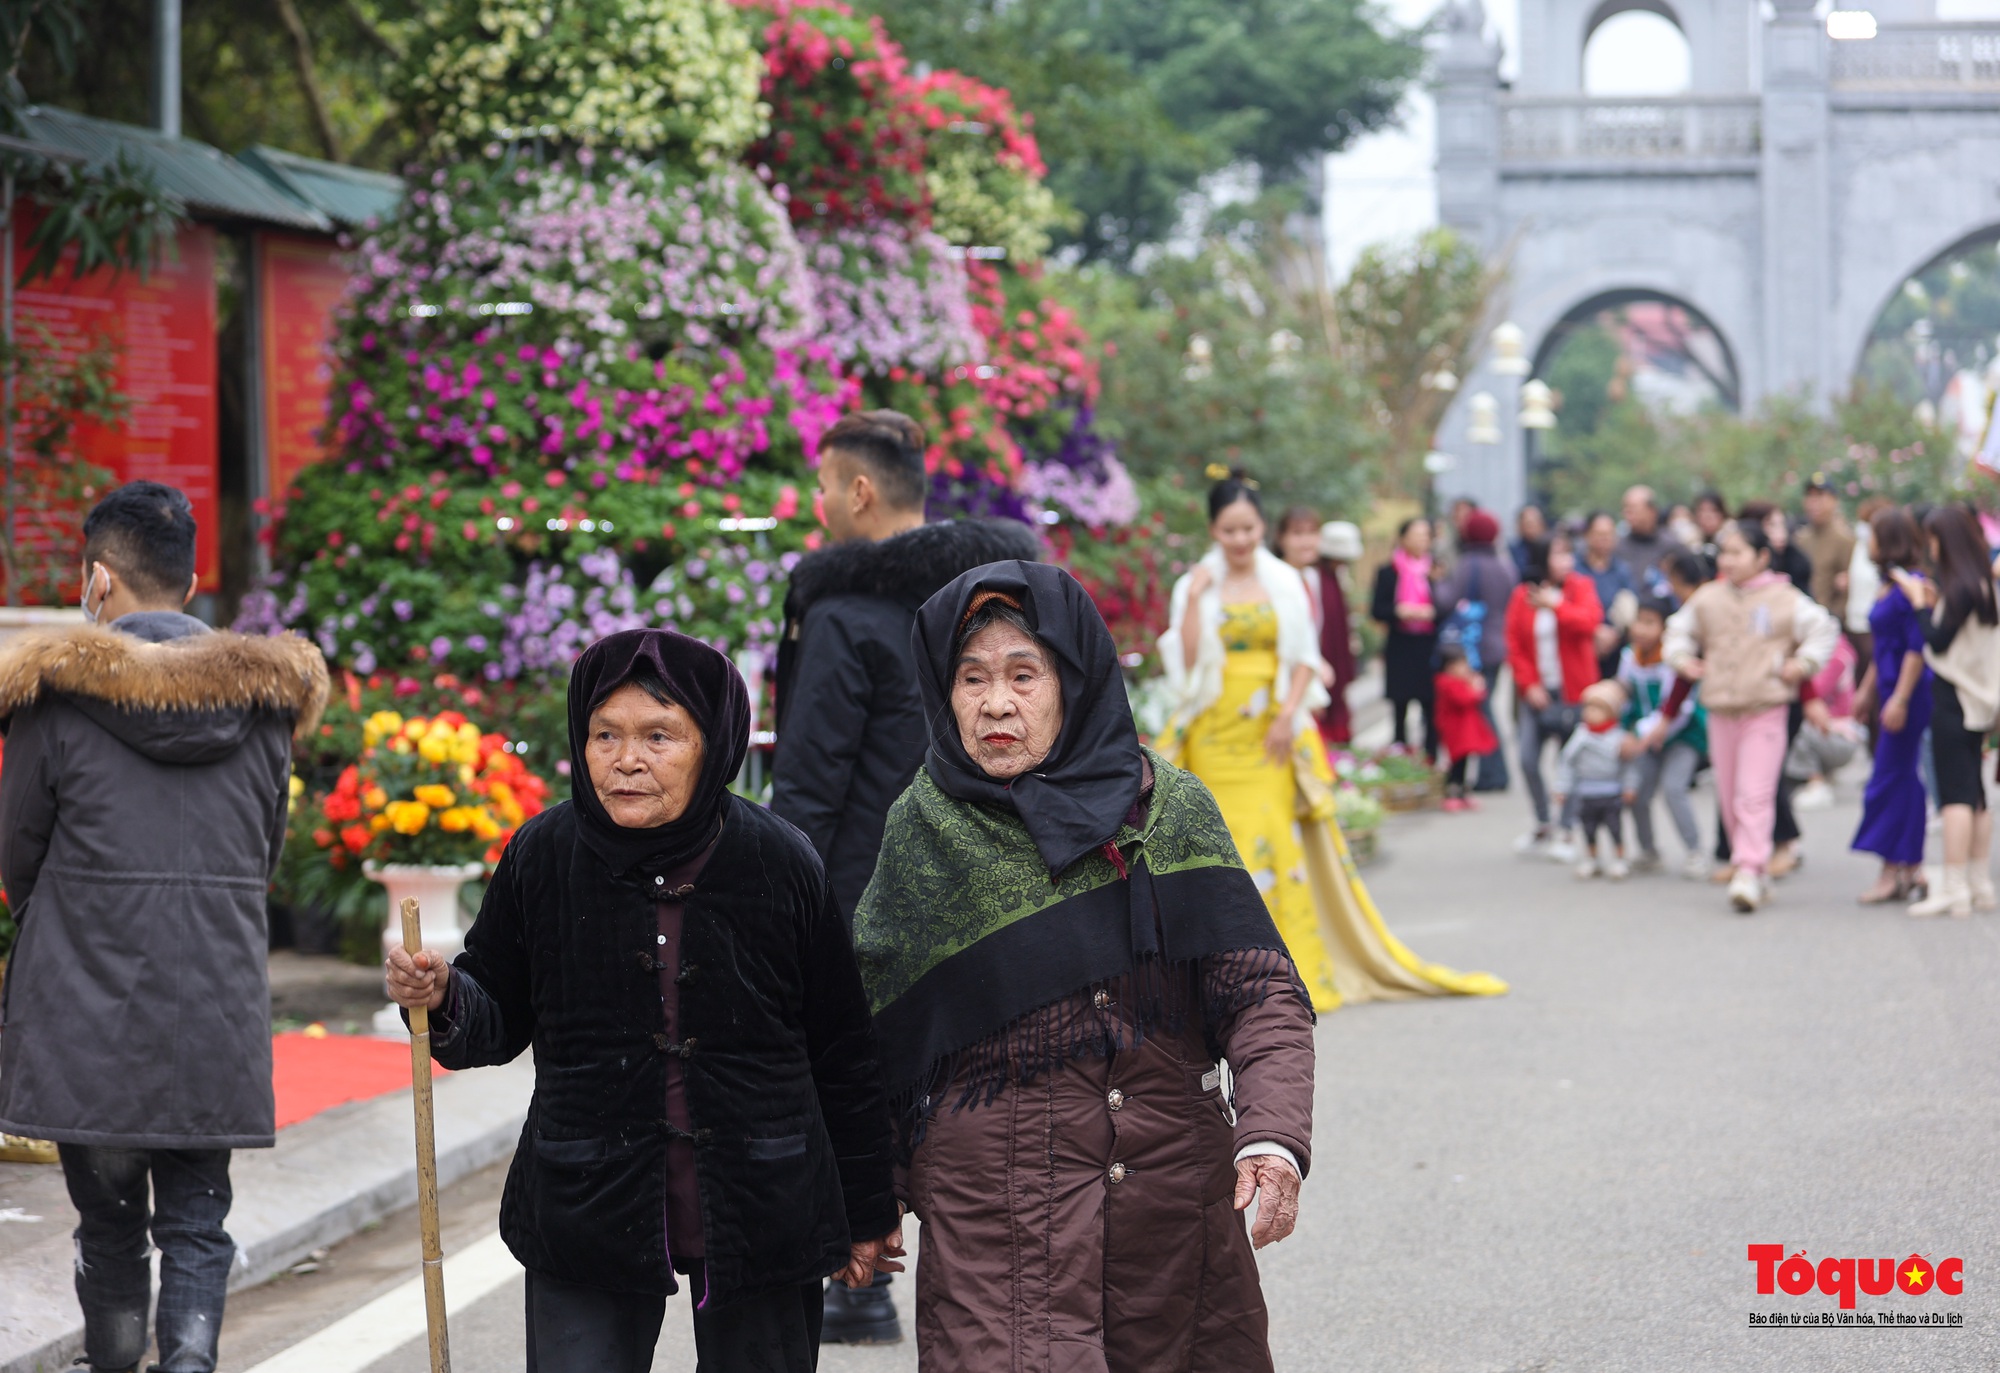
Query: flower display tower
point(653, 250)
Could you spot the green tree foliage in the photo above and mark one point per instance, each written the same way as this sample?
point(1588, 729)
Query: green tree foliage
point(1210, 360)
point(1587, 373)
point(1136, 100)
point(1406, 315)
point(247, 75)
point(1870, 445)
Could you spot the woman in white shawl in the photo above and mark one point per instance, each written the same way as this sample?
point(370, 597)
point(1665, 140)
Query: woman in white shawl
point(1243, 664)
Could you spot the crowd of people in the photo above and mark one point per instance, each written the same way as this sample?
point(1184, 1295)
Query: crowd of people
point(1764, 648)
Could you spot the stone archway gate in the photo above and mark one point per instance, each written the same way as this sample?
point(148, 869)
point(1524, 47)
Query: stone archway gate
point(1785, 197)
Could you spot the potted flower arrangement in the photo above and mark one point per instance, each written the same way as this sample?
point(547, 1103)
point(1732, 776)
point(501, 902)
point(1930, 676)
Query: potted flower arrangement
point(429, 805)
point(1399, 779)
point(1359, 816)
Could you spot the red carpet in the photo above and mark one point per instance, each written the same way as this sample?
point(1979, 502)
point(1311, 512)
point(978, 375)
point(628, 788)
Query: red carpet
point(313, 1075)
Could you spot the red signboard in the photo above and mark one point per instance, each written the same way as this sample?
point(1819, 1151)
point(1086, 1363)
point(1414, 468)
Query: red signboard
point(162, 327)
point(300, 283)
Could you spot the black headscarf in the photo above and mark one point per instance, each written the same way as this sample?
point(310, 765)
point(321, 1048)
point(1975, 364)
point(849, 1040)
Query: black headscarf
point(704, 683)
point(1075, 800)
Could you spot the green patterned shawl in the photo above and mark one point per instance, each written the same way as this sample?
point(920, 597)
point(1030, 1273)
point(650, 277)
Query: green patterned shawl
point(962, 932)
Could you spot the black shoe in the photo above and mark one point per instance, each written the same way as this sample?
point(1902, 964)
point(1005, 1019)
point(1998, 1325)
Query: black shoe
point(862, 1315)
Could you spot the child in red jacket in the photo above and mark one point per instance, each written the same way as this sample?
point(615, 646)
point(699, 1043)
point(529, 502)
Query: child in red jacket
point(1461, 724)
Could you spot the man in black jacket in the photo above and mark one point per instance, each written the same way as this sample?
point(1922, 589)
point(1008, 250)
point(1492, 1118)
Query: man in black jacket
point(141, 813)
point(851, 732)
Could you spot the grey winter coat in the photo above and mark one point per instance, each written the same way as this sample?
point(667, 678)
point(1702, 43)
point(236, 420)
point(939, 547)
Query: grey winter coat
point(142, 809)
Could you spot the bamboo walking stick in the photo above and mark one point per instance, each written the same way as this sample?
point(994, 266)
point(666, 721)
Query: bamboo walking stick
point(427, 1173)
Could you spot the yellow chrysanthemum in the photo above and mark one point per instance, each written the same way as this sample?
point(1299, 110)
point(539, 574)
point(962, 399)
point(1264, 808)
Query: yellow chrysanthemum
point(378, 823)
point(297, 786)
point(408, 817)
point(374, 798)
point(485, 826)
point(432, 749)
point(436, 797)
point(458, 819)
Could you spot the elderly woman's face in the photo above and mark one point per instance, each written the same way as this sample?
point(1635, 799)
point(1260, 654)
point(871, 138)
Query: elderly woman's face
point(1007, 699)
point(644, 758)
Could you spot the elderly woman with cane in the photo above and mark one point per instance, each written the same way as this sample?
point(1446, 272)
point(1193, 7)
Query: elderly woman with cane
point(1061, 946)
point(707, 1100)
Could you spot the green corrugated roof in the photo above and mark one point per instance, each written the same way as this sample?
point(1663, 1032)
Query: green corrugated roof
point(349, 196)
point(211, 185)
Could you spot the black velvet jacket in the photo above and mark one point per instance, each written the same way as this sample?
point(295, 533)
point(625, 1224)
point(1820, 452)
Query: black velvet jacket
point(792, 1151)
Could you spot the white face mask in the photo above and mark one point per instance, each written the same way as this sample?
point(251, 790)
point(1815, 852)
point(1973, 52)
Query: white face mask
point(90, 613)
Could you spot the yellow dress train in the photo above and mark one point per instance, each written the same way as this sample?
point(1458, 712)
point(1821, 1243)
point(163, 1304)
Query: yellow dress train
point(1282, 818)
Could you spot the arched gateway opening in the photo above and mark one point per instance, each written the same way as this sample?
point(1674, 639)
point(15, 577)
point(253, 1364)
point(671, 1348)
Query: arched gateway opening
point(1936, 341)
point(1635, 48)
point(1619, 364)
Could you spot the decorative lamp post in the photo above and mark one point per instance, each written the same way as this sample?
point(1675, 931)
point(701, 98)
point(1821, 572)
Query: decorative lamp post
point(1484, 425)
point(1537, 406)
point(1509, 351)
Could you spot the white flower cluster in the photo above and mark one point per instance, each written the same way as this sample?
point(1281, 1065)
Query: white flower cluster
point(645, 75)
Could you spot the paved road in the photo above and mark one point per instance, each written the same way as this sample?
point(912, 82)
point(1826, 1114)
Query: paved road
point(1568, 1177)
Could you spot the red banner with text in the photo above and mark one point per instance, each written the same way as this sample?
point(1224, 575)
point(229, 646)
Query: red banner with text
point(300, 284)
point(160, 330)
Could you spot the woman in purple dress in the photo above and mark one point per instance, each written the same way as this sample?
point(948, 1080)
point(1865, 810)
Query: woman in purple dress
point(1893, 808)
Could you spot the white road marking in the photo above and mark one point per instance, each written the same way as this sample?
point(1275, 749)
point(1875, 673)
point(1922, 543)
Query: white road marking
point(395, 1318)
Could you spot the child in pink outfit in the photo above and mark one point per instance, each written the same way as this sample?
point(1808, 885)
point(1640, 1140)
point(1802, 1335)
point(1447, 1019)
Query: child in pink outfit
point(1750, 638)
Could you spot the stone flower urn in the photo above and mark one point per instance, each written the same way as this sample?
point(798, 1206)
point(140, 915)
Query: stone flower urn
point(435, 886)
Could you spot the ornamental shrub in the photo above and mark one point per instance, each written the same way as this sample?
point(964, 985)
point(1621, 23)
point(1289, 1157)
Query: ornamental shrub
point(984, 170)
point(676, 78)
point(847, 134)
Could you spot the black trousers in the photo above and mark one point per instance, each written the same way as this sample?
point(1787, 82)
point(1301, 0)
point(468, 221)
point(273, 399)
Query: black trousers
point(577, 1329)
point(114, 1274)
point(1955, 750)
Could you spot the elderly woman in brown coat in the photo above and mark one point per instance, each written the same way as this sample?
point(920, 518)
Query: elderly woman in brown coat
point(1061, 947)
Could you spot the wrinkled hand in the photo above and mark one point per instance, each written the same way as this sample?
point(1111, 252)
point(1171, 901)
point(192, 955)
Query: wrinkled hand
point(1537, 696)
point(1793, 672)
point(1631, 798)
point(1274, 1184)
point(1606, 638)
point(419, 981)
point(1633, 746)
point(1278, 741)
point(1819, 716)
point(1549, 597)
point(1895, 714)
point(870, 1257)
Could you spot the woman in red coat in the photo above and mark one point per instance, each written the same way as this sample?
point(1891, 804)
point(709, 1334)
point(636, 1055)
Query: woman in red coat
point(1552, 622)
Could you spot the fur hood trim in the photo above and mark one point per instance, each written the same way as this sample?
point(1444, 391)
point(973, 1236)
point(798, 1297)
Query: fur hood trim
point(217, 671)
point(911, 567)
